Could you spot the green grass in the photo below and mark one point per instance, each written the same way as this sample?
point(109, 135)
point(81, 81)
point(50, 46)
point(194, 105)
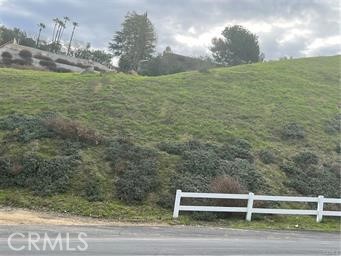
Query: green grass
point(248, 101)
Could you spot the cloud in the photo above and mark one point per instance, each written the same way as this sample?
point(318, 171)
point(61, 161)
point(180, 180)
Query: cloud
point(285, 28)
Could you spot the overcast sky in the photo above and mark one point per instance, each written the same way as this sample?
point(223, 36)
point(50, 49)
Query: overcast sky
point(285, 27)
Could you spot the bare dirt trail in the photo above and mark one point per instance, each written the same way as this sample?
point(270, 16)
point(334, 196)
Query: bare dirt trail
point(15, 216)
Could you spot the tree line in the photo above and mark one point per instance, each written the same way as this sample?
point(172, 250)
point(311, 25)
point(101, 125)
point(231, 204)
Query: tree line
point(136, 43)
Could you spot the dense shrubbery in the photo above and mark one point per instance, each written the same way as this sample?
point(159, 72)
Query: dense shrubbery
point(42, 176)
point(48, 64)
point(136, 168)
point(203, 162)
point(334, 125)
point(305, 159)
point(6, 58)
point(42, 57)
point(267, 156)
point(93, 190)
point(26, 55)
point(293, 131)
point(308, 178)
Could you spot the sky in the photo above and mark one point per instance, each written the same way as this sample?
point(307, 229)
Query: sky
point(296, 28)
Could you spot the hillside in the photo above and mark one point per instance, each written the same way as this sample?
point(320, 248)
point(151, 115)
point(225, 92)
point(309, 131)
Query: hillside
point(268, 125)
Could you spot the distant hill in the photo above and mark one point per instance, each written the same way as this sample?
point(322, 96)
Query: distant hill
point(88, 140)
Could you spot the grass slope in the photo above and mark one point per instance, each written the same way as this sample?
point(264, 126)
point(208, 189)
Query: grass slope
point(248, 101)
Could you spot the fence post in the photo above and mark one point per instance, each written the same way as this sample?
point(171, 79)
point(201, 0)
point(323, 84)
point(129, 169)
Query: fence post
point(249, 206)
point(177, 204)
point(319, 209)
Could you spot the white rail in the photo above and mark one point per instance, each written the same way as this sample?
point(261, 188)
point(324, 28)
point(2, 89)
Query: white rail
point(319, 212)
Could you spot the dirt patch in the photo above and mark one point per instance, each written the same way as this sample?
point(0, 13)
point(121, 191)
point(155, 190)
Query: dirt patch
point(14, 216)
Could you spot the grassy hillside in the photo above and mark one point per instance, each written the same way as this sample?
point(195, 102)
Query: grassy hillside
point(254, 103)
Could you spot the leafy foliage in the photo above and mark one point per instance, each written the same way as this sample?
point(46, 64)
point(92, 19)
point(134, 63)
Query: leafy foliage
point(93, 190)
point(267, 156)
point(136, 168)
point(293, 131)
point(334, 125)
point(305, 159)
point(237, 47)
point(42, 176)
point(135, 42)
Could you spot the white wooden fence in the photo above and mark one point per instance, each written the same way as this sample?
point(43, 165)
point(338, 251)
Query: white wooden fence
point(319, 212)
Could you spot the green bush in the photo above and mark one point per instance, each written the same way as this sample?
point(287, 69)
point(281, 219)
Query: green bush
point(44, 177)
point(200, 162)
point(137, 181)
point(6, 58)
point(93, 190)
point(136, 168)
point(338, 148)
point(22, 62)
point(189, 182)
point(171, 148)
point(241, 169)
point(293, 131)
point(238, 148)
point(42, 57)
point(26, 55)
point(267, 156)
point(314, 181)
point(24, 128)
point(48, 64)
point(305, 159)
point(334, 125)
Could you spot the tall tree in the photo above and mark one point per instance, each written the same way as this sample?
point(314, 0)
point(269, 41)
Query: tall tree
point(55, 20)
point(237, 47)
point(41, 26)
point(75, 24)
point(66, 19)
point(135, 42)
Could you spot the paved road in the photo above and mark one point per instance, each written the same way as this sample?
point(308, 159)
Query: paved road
point(106, 240)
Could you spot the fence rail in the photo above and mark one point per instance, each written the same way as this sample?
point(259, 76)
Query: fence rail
point(249, 210)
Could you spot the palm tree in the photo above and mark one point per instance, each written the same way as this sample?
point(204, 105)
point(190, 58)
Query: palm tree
point(75, 24)
point(41, 26)
point(55, 20)
point(61, 25)
point(66, 19)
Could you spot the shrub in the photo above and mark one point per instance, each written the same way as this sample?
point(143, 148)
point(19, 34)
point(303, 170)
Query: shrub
point(338, 148)
point(25, 54)
point(334, 125)
point(63, 61)
point(137, 169)
point(93, 190)
point(25, 128)
point(42, 176)
point(137, 181)
point(239, 148)
point(293, 131)
point(267, 156)
point(22, 62)
point(48, 64)
point(6, 55)
point(305, 159)
point(42, 57)
point(6, 58)
point(61, 70)
point(171, 148)
point(244, 171)
point(313, 181)
point(289, 168)
point(201, 162)
point(68, 129)
point(228, 185)
point(189, 182)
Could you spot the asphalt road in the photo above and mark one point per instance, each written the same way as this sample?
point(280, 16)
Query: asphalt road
point(130, 240)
